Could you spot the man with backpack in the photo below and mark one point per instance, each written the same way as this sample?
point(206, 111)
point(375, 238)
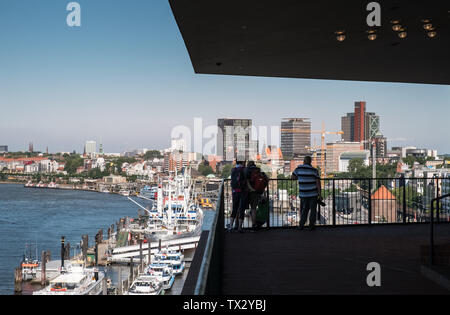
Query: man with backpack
point(239, 195)
point(257, 183)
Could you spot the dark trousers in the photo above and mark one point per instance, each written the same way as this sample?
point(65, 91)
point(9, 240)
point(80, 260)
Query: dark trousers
point(239, 204)
point(307, 205)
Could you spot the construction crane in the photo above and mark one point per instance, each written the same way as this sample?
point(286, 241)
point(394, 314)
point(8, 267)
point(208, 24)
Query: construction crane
point(313, 149)
point(323, 133)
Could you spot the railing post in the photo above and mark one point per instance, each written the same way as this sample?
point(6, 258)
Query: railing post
point(432, 234)
point(370, 202)
point(437, 203)
point(334, 203)
point(268, 204)
point(404, 201)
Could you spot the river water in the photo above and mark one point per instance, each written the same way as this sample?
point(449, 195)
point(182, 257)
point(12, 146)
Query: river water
point(42, 216)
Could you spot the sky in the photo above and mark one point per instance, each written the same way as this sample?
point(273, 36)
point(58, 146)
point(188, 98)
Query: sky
point(125, 78)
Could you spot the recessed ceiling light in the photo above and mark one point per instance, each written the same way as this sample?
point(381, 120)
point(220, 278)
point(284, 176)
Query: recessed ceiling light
point(340, 36)
point(432, 34)
point(428, 26)
point(396, 27)
point(402, 34)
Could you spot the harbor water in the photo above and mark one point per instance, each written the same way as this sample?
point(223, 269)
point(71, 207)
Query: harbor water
point(42, 216)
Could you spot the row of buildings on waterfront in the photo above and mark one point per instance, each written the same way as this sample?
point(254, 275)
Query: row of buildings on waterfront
point(360, 134)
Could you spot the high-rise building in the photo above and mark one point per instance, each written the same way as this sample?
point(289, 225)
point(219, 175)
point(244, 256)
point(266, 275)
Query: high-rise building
point(295, 137)
point(348, 127)
point(372, 126)
point(90, 147)
point(359, 123)
point(362, 126)
point(3, 148)
point(30, 147)
point(233, 139)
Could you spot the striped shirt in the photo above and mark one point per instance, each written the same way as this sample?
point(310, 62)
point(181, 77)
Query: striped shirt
point(307, 176)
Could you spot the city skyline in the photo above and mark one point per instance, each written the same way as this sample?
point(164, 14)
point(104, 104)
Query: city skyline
point(60, 86)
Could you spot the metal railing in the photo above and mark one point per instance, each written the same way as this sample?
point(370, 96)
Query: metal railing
point(349, 201)
point(437, 200)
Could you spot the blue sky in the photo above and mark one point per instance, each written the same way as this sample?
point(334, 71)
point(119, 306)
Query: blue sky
point(125, 77)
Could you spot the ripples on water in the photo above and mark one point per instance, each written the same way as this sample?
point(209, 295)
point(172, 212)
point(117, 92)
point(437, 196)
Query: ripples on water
point(42, 216)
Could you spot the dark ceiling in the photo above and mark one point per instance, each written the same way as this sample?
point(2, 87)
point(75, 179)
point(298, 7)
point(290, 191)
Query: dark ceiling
point(296, 39)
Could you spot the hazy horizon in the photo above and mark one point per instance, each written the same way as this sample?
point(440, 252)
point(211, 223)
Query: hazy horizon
point(124, 77)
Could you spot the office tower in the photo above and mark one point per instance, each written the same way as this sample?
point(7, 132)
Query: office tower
point(30, 147)
point(90, 147)
point(359, 123)
point(233, 139)
point(372, 126)
point(348, 127)
point(295, 137)
point(3, 148)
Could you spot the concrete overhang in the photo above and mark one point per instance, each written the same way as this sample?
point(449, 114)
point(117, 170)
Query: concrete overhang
point(296, 39)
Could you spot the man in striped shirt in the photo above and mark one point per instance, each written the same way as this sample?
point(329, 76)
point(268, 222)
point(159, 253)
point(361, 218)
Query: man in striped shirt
point(309, 188)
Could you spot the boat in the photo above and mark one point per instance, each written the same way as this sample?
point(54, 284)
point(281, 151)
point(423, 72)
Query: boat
point(171, 258)
point(124, 192)
point(104, 190)
point(29, 264)
point(163, 273)
point(76, 280)
point(173, 214)
point(29, 269)
point(52, 185)
point(146, 285)
point(149, 192)
point(30, 184)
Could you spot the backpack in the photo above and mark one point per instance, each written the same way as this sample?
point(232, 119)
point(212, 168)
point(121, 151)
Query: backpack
point(258, 181)
point(237, 178)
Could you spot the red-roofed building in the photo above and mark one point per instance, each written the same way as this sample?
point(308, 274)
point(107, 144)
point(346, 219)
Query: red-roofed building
point(384, 206)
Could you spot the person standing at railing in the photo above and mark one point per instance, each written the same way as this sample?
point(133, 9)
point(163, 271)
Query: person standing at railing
point(239, 195)
point(309, 188)
point(257, 183)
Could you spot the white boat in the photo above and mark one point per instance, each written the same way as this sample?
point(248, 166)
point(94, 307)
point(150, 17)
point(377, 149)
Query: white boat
point(52, 185)
point(124, 192)
point(78, 280)
point(173, 214)
point(29, 269)
point(163, 273)
point(30, 184)
point(104, 190)
point(146, 285)
point(173, 259)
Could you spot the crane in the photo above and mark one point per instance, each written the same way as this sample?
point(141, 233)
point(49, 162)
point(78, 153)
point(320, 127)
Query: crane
point(323, 133)
point(313, 149)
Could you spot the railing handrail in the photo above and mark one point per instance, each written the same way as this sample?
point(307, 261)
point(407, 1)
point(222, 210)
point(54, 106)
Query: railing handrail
point(370, 178)
point(202, 279)
point(432, 226)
